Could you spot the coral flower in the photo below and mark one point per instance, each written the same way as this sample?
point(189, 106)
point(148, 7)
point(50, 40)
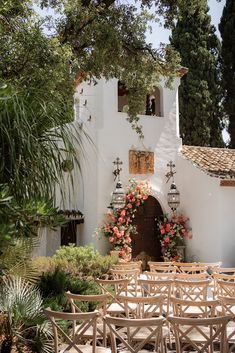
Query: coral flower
point(115, 229)
point(121, 220)
point(168, 227)
point(129, 205)
point(163, 231)
point(123, 213)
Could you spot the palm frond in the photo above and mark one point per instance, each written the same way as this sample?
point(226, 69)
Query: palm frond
point(26, 323)
point(17, 259)
point(33, 145)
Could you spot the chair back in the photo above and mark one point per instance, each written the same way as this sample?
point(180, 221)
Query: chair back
point(101, 303)
point(199, 333)
point(212, 267)
point(72, 341)
point(190, 308)
point(162, 268)
point(159, 275)
point(193, 269)
point(143, 307)
point(225, 288)
point(192, 290)
point(128, 265)
point(153, 264)
point(132, 275)
point(228, 308)
point(191, 276)
point(221, 277)
point(138, 333)
point(226, 270)
point(153, 288)
point(180, 265)
point(114, 288)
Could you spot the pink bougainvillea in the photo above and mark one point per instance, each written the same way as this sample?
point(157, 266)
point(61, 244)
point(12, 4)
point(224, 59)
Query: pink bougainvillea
point(172, 233)
point(119, 223)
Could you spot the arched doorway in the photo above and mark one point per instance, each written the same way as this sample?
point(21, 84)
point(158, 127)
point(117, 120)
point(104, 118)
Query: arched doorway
point(146, 221)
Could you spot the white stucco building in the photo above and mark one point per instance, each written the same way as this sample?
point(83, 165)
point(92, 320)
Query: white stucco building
point(199, 178)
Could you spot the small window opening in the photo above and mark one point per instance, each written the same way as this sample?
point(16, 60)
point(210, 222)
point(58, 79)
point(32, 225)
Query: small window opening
point(122, 97)
point(152, 102)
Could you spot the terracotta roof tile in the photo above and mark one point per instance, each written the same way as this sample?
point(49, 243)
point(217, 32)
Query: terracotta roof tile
point(218, 162)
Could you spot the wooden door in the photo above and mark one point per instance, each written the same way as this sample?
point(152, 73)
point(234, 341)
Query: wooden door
point(147, 238)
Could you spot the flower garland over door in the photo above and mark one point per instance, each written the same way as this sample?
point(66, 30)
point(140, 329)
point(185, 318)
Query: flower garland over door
point(119, 223)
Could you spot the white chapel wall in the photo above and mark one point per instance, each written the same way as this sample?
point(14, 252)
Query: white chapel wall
point(211, 211)
point(227, 225)
point(113, 137)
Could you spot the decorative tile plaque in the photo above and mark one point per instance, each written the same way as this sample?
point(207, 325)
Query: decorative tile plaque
point(227, 182)
point(141, 162)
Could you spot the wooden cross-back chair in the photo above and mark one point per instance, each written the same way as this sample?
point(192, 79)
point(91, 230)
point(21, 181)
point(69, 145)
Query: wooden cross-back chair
point(128, 266)
point(191, 276)
point(221, 277)
point(199, 334)
point(101, 302)
point(132, 275)
point(114, 288)
point(152, 288)
point(190, 308)
point(225, 288)
point(159, 275)
point(192, 290)
point(154, 264)
point(132, 335)
point(193, 269)
point(144, 306)
point(74, 341)
point(228, 308)
point(162, 268)
point(226, 270)
point(180, 265)
point(212, 267)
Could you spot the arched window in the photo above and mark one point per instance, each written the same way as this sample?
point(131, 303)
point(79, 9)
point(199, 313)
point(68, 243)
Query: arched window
point(152, 103)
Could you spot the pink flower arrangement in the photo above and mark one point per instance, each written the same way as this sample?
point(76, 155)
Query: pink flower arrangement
point(173, 232)
point(118, 226)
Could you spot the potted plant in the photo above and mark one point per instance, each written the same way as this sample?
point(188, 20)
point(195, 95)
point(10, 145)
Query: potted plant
point(173, 232)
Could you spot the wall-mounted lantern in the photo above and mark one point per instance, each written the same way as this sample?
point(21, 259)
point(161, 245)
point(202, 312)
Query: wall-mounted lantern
point(173, 195)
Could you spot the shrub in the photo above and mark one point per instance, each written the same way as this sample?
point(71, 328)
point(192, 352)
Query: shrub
point(71, 269)
point(54, 284)
point(89, 262)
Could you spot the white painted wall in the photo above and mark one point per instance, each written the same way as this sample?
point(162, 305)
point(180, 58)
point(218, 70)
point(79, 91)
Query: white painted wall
point(210, 208)
point(113, 137)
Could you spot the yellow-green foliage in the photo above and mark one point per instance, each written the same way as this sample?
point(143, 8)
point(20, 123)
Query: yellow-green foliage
point(81, 261)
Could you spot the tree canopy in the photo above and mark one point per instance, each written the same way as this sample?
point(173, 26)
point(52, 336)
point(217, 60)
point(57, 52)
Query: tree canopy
point(99, 38)
point(227, 60)
point(199, 94)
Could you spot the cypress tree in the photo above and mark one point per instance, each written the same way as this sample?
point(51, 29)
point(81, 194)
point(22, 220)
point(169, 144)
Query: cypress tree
point(227, 30)
point(199, 94)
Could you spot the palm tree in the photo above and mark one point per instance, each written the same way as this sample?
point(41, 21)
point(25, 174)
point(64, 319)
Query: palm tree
point(22, 321)
point(34, 142)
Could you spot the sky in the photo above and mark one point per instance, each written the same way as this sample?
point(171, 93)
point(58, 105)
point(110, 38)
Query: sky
point(159, 34)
